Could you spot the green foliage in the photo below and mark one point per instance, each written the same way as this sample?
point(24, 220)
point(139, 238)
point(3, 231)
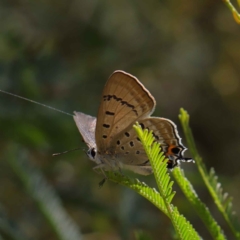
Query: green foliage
point(222, 200)
point(158, 162)
point(199, 206)
point(162, 199)
point(234, 11)
point(50, 205)
point(140, 187)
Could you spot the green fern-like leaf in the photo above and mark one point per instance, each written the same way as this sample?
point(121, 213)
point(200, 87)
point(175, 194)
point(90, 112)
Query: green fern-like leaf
point(151, 194)
point(224, 203)
point(222, 200)
point(202, 210)
point(235, 13)
point(159, 165)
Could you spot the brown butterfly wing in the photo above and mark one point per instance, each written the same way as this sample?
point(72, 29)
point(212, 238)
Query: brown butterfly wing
point(124, 101)
point(130, 151)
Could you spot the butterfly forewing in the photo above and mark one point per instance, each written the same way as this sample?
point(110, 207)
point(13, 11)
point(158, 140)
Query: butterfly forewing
point(124, 101)
point(86, 125)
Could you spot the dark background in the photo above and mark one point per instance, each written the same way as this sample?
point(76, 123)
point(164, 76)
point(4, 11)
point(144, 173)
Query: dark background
point(61, 53)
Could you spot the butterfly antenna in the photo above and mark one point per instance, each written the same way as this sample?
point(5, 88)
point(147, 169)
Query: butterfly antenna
point(29, 100)
point(57, 154)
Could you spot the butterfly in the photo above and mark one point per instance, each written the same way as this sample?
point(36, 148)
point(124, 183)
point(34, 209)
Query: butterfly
point(112, 142)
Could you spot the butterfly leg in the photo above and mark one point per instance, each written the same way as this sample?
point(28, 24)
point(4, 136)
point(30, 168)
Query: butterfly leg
point(101, 183)
point(100, 169)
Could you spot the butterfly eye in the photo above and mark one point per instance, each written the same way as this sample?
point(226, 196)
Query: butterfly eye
point(91, 153)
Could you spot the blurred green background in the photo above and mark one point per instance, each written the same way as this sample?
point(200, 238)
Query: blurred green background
point(61, 53)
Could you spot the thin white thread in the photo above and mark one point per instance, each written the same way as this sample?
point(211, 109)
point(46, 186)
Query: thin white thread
point(29, 100)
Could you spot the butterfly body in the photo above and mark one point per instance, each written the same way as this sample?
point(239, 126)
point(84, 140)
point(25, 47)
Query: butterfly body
point(111, 139)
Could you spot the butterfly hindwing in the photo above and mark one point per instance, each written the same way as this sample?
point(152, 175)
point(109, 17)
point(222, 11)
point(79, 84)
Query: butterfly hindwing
point(129, 149)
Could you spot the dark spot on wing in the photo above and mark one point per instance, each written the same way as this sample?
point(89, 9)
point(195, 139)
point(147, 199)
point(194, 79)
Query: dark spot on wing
point(156, 137)
point(104, 136)
point(131, 144)
point(175, 150)
point(109, 97)
point(106, 125)
point(127, 134)
point(118, 142)
point(110, 113)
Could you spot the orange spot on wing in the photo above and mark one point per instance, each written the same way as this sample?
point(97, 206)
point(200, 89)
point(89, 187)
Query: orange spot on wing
point(169, 150)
